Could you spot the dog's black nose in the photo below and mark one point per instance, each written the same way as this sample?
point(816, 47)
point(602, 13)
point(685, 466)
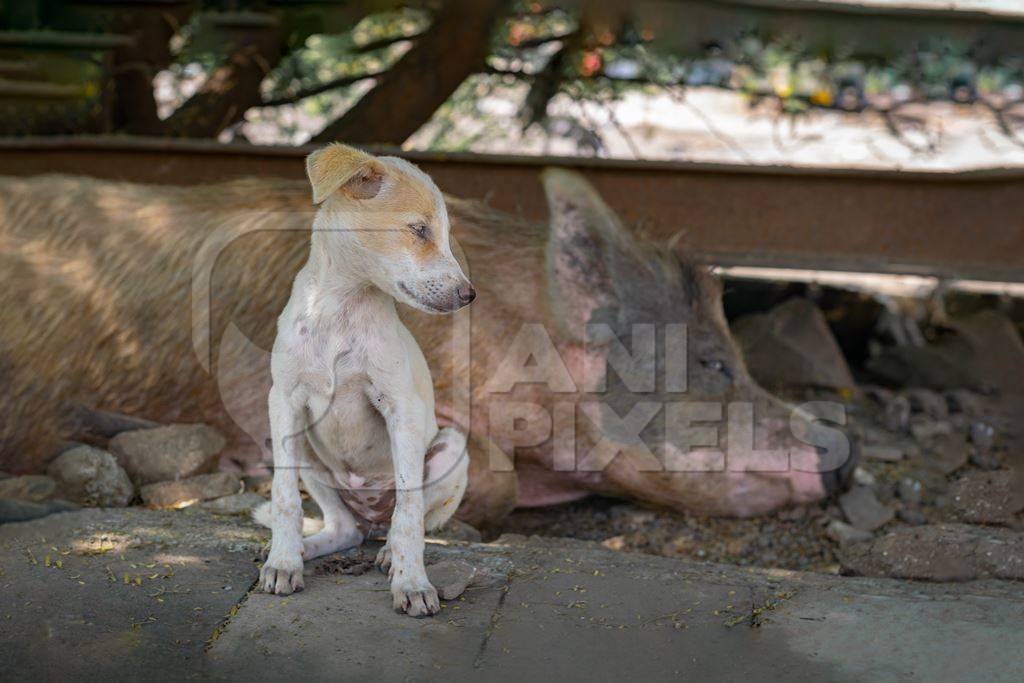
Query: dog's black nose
point(466, 294)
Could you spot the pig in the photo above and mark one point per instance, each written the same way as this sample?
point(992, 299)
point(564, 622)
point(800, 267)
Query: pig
point(593, 362)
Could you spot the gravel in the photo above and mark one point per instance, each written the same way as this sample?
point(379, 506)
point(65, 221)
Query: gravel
point(791, 539)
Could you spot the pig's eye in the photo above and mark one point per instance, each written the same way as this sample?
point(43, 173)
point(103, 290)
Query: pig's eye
point(716, 366)
point(421, 230)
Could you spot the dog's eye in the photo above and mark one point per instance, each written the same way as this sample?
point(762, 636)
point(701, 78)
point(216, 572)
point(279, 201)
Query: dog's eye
point(421, 229)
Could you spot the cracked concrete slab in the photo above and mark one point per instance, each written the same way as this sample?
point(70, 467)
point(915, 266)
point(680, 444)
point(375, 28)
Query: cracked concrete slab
point(345, 622)
point(124, 592)
point(544, 609)
point(659, 619)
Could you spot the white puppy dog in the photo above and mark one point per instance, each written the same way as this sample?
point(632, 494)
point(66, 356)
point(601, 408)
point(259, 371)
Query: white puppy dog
point(352, 403)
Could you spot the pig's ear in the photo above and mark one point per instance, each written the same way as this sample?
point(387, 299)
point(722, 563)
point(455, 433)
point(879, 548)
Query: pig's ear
point(588, 248)
point(340, 167)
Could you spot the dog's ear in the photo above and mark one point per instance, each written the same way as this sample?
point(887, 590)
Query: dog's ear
point(356, 173)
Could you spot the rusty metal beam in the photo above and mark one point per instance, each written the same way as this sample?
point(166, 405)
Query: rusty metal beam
point(958, 225)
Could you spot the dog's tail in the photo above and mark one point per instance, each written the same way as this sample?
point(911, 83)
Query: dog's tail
point(261, 514)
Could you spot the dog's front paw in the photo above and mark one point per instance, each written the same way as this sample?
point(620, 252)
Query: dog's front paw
point(415, 598)
point(282, 574)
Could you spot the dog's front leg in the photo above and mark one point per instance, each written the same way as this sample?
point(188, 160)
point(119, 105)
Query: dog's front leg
point(282, 572)
point(410, 588)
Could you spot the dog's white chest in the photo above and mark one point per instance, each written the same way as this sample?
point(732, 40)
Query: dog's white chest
point(348, 433)
point(346, 429)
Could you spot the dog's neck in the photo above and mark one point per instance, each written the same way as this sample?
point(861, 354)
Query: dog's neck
point(340, 275)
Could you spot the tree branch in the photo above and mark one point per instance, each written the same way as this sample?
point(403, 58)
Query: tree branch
point(134, 107)
point(407, 95)
point(546, 83)
point(541, 40)
point(232, 87)
point(384, 42)
point(323, 87)
point(1000, 112)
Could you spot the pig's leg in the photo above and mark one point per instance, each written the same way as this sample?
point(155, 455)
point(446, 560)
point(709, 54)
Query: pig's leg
point(340, 530)
point(493, 487)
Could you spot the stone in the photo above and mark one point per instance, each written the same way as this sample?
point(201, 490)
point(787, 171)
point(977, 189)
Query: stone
point(880, 395)
point(913, 517)
point(862, 477)
point(964, 402)
point(961, 424)
point(862, 509)
point(981, 352)
point(924, 428)
point(985, 461)
point(909, 490)
point(982, 435)
point(196, 489)
point(882, 453)
point(792, 345)
point(997, 348)
point(167, 453)
point(235, 504)
point(946, 366)
point(939, 552)
point(33, 488)
point(91, 477)
point(614, 543)
point(457, 530)
point(931, 403)
point(946, 454)
point(887, 441)
point(988, 497)
point(451, 577)
point(845, 534)
point(631, 516)
point(897, 414)
point(13, 510)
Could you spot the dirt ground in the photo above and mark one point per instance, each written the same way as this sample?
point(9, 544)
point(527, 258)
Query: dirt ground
point(793, 539)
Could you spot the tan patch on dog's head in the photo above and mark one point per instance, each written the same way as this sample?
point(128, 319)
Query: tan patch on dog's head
point(397, 215)
point(417, 210)
point(408, 217)
point(340, 167)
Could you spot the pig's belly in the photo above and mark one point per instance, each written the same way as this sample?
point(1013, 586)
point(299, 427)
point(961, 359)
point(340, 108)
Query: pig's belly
point(540, 487)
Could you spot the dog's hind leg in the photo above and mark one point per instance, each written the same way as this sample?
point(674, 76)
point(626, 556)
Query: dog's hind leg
point(340, 530)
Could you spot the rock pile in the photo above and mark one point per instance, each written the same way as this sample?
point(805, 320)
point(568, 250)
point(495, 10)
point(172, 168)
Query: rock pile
point(165, 466)
point(91, 477)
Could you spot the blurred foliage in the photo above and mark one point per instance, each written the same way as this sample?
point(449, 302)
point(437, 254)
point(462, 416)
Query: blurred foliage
point(542, 50)
point(782, 68)
point(324, 58)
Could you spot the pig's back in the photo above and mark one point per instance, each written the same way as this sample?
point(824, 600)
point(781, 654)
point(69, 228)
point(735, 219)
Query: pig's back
point(96, 294)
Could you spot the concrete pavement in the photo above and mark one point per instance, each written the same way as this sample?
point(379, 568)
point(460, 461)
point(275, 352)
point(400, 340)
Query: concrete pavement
point(165, 595)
